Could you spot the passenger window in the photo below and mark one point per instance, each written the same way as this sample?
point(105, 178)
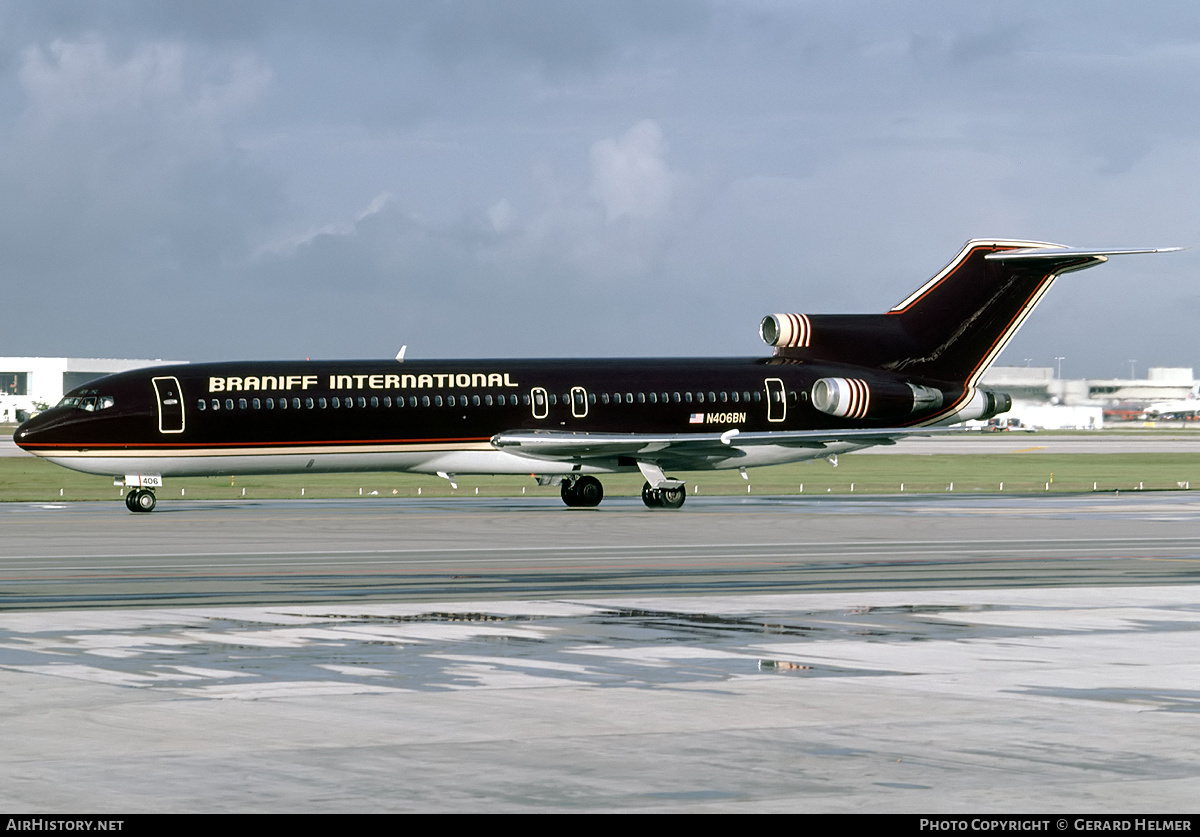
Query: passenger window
point(424, 400)
point(735, 396)
point(724, 397)
point(256, 404)
point(653, 398)
point(699, 398)
point(452, 401)
point(629, 398)
point(200, 405)
point(270, 404)
point(437, 401)
point(308, 403)
point(374, 401)
point(387, 400)
point(412, 401)
point(322, 403)
point(242, 405)
point(228, 403)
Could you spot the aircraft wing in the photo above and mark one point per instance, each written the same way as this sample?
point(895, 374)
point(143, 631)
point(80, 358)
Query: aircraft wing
point(563, 446)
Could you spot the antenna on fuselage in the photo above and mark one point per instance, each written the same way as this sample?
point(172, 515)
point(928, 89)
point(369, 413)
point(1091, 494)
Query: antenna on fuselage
point(400, 354)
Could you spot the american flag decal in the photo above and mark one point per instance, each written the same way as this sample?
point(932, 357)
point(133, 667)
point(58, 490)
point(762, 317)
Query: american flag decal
point(696, 418)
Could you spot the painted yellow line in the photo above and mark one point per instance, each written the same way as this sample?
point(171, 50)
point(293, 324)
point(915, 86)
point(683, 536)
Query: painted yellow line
point(1028, 450)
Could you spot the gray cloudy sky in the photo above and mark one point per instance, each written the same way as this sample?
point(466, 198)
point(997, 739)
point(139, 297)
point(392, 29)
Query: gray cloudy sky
point(536, 178)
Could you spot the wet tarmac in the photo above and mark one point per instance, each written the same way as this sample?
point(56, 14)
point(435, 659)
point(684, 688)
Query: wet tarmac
point(935, 654)
point(1079, 700)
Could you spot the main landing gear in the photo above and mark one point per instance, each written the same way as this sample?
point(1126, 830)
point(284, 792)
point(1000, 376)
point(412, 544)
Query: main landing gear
point(582, 492)
point(586, 492)
point(663, 498)
point(140, 500)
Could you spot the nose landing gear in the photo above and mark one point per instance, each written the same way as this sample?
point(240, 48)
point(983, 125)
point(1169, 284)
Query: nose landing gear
point(140, 500)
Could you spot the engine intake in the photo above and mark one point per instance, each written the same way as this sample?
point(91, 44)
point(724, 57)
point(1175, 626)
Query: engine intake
point(790, 330)
point(855, 398)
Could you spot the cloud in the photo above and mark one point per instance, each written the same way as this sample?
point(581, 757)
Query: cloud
point(602, 176)
point(630, 176)
point(122, 182)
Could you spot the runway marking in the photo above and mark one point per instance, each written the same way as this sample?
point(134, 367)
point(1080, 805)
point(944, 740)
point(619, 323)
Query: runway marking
point(1029, 450)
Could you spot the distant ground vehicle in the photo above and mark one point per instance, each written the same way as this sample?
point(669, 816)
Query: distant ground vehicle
point(1125, 412)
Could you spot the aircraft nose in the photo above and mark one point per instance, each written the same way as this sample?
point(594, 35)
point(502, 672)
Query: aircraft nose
point(35, 429)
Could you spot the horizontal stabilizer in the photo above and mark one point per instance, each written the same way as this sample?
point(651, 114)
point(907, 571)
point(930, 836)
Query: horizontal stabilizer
point(1056, 253)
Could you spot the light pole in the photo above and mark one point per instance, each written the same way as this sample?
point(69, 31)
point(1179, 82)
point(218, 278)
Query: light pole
point(1058, 363)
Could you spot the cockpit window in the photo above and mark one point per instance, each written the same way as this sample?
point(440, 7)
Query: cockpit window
point(87, 399)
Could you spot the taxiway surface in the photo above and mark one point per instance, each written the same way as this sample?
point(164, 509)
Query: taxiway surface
point(97, 554)
point(932, 654)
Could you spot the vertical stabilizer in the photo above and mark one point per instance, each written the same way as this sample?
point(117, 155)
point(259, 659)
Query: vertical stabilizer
point(952, 327)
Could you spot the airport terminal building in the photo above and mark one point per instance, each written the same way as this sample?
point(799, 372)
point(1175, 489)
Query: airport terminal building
point(28, 384)
point(1043, 400)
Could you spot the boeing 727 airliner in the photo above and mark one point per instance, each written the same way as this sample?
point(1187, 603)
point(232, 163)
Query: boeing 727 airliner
point(834, 383)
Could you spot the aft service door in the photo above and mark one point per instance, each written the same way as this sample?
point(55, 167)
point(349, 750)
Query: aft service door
point(776, 400)
point(540, 402)
point(170, 405)
point(579, 402)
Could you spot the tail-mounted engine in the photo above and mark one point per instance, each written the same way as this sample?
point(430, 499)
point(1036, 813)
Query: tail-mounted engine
point(856, 399)
point(994, 403)
point(788, 330)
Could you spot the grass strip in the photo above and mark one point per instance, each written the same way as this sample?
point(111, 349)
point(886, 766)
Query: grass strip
point(28, 479)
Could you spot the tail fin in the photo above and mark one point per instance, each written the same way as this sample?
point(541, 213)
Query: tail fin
point(952, 327)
